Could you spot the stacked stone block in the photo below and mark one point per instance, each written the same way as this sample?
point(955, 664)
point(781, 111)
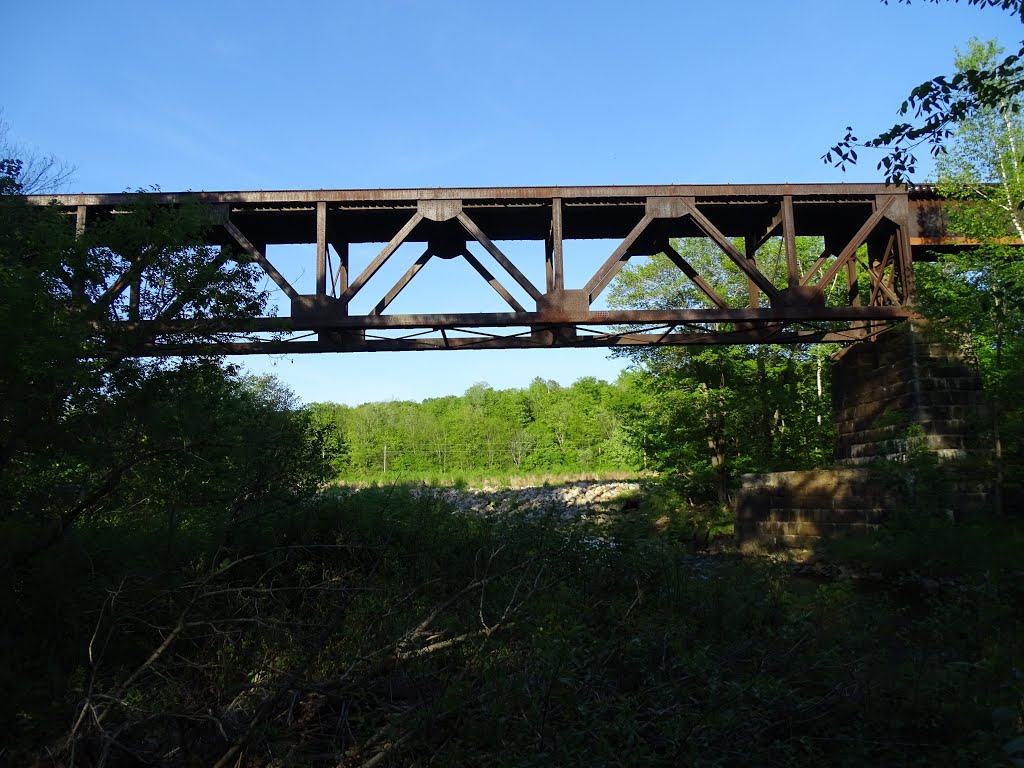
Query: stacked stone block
point(795, 509)
point(894, 398)
point(901, 386)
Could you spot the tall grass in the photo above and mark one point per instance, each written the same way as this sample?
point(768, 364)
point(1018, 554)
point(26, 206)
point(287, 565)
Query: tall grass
point(380, 628)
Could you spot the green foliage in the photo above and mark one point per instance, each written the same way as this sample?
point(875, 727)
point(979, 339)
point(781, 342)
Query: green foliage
point(173, 463)
point(55, 304)
point(705, 415)
point(972, 298)
point(666, 509)
point(982, 165)
point(546, 429)
point(111, 465)
point(79, 424)
point(389, 628)
point(938, 107)
point(177, 277)
point(932, 544)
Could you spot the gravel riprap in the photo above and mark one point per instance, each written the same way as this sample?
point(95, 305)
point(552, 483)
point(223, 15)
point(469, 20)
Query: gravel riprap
point(585, 501)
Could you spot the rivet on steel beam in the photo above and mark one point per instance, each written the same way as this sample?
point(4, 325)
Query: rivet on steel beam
point(439, 210)
point(666, 207)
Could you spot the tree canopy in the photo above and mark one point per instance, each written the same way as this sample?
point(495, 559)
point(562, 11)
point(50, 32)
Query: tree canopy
point(543, 429)
point(707, 414)
point(89, 436)
point(972, 297)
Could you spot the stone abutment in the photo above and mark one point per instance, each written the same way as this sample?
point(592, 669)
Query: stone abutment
point(910, 431)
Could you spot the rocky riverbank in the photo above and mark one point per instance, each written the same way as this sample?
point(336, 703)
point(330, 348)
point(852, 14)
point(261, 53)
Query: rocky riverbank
point(599, 502)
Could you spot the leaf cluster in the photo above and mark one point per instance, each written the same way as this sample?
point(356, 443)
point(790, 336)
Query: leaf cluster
point(936, 106)
point(89, 436)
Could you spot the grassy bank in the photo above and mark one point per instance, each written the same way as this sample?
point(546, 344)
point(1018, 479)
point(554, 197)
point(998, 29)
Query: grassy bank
point(379, 629)
point(483, 479)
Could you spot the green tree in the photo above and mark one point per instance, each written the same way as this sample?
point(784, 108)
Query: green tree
point(713, 412)
point(82, 423)
point(105, 457)
point(974, 295)
point(544, 428)
point(61, 295)
point(327, 421)
point(982, 167)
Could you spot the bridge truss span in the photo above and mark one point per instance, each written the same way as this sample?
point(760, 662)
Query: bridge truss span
point(543, 259)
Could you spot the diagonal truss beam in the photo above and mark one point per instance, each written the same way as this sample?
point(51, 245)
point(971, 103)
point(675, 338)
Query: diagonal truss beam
point(122, 283)
point(188, 293)
point(258, 256)
point(403, 281)
point(339, 278)
point(851, 248)
point(729, 249)
point(878, 285)
point(817, 265)
point(769, 233)
point(374, 266)
point(676, 258)
point(614, 264)
point(478, 235)
point(492, 281)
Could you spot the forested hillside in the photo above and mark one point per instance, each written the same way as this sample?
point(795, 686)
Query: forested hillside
point(546, 428)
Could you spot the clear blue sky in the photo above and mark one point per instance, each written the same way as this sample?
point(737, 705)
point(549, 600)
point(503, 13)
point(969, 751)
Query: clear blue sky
point(259, 95)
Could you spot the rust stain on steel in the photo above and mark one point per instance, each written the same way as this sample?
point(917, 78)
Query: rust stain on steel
point(895, 223)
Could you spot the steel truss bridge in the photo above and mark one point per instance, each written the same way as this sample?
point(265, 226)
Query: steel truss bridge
point(860, 283)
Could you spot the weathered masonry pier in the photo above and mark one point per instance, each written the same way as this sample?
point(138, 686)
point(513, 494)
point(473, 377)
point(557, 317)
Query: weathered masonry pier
point(861, 283)
point(899, 398)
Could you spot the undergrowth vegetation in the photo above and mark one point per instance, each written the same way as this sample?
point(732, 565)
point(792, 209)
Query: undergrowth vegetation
point(379, 628)
point(939, 547)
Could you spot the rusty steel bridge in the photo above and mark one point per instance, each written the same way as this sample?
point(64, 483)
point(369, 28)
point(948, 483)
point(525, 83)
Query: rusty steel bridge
point(860, 283)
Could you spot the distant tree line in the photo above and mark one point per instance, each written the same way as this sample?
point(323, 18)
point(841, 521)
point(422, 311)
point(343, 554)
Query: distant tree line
point(700, 416)
point(544, 428)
